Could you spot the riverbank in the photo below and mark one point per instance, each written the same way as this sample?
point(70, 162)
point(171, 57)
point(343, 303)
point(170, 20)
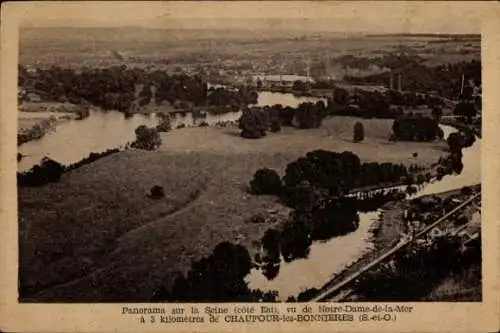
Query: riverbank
point(124, 240)
point(390, 229)
point(37, 119)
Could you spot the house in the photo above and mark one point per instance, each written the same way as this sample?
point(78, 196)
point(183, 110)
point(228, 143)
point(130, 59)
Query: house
point(281, 81)
point(32, 97)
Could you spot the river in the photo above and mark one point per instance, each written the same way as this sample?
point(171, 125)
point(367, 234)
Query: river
point(331, 257)
point(76, 139)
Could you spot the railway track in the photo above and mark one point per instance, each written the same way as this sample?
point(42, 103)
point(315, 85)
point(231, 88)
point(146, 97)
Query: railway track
point(341, 290)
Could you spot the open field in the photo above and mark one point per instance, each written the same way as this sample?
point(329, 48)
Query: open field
point(95, 235)
point(335, 134)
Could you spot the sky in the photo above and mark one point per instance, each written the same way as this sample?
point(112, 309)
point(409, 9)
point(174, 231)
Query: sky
point(338, 16)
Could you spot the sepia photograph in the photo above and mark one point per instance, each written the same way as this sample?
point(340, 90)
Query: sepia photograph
point(181, 159)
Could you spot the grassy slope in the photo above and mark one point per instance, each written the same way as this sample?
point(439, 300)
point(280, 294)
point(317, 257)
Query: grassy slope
point(96, 236)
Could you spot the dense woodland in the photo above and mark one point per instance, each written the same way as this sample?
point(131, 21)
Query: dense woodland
point(120, 88)
point(444, 79)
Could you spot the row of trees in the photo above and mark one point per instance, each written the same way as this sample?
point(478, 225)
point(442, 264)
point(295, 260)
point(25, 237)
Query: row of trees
point(336, 173)
point(416, 128)
point(255, 121)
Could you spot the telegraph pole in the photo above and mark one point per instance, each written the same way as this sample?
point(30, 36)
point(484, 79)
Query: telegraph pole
point(462, 85)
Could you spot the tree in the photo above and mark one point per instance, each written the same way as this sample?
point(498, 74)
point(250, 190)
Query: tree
point(217, 278)
point(146, 138)
point(341, 96)
point(359, 132)
point(266, 181)
point(467, 110)
point(164, 125)
point(299, 85)
point(309, 115)
point(47, 172)
point(437, 113)
point(455, 141)
point(157, 192)
point(252, 124)
point(275, 125)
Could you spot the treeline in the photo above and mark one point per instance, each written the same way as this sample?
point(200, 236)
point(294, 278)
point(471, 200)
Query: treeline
point(92, 158)
point(416, 128)
point(216, 278)
point(256, 121)
point(50, 171)
point(444, 79)
point(376, 104)
point(222, 96)
point(337, 174)
point(390, 61)
point(37, 131)
point(121, 88)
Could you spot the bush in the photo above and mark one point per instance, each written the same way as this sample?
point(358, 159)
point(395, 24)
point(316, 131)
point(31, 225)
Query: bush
point(359, 132)
point(275, 125)
point(164, 125)
point(157, 192)
point(461, 220)
point(146, 138)
point(466, 190)
point(49, 171)
point(258, 218)
point(266, 181)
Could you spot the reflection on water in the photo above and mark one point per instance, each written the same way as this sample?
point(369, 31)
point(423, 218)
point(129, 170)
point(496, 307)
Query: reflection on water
point(325, 258)
point(331, 257)
point(75, 140)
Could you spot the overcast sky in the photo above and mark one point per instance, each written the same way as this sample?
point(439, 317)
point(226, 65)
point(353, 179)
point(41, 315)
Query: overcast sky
point(374, 17)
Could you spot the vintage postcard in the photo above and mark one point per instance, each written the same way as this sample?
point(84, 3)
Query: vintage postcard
point(232, 166)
